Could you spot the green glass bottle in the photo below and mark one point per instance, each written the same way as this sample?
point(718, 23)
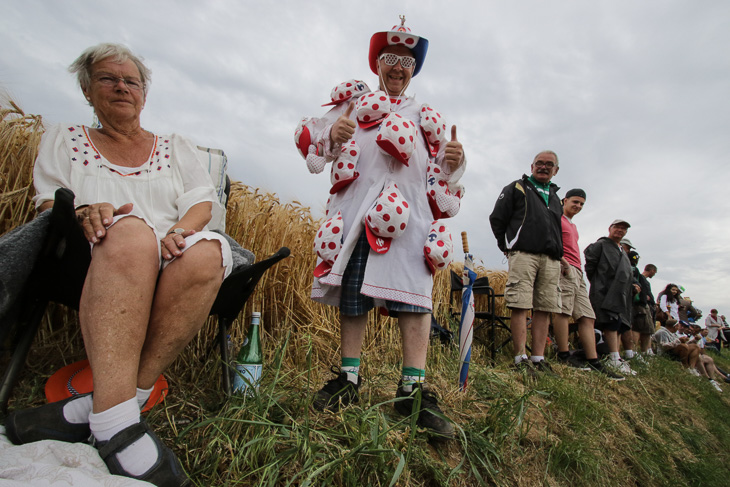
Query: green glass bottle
point(249, 361)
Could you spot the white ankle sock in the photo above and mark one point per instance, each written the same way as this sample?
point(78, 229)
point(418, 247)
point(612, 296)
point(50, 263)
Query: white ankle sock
point(520, 358)
point(138, 457)
point(615, 356)
point(537, 358)
point(628, 354)
point(143, 395)
point(77, 410)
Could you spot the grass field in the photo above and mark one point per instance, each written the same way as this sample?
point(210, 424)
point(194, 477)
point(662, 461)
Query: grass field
point(663, 427)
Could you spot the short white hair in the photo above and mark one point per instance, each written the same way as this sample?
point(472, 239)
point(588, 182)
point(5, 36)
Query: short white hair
point(547, 152)
point(118, 53)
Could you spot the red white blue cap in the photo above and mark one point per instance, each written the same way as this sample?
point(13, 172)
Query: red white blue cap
point(439, 247)
point(398, 35)
point(387, 218)
point(328, 243)
point(347, 90)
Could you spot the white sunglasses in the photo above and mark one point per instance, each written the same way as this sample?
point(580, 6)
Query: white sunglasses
point(406, 62)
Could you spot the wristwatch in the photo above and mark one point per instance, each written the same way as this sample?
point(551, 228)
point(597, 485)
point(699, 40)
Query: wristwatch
point(178, 231)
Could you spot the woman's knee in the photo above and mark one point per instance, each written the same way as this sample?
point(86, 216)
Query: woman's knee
point(129, 236)
point(202, 261)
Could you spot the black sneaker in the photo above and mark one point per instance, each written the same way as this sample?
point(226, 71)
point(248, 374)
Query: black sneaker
point(430, 415)
point(525, 367)
point(575, 362)
point(337, 392)
point(607, 371)
point(544, 368)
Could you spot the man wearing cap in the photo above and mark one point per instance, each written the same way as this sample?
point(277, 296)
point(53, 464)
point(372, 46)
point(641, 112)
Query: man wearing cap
point(396, 145)
point(609, 271)
point(526, 223)
point(642, 323)
point(574, 294)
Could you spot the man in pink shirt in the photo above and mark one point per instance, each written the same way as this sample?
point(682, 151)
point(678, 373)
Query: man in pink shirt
point(574, 294)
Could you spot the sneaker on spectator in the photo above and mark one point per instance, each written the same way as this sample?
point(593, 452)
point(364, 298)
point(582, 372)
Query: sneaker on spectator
point(607, 371)
point(574, 362)
point(622, 367)
point(639, 359)
point(338, 392)
point(715, 385)
point(525, 367)
point(420, 400)
point(543, 367)
point(693, 372)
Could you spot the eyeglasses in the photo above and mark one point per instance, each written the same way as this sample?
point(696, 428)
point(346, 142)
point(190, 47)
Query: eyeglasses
point(109, 80)
point(548, 164)
point(406, 62)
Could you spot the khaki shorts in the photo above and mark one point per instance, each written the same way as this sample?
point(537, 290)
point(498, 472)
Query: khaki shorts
point(641, 321)
point(533, 282)
point(574, 295)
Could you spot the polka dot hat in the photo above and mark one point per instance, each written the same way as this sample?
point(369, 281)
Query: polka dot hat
point(439, 248)
point(387, 218)
point(433, 127)
point(302, 138)
point(328, 244)
point(444, 203)
point(398, 35)
point(397, 137)
point(343, 169)
point(372, 108)
point(347, 90)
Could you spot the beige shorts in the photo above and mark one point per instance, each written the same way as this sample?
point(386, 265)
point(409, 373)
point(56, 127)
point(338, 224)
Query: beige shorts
point(574, 295)
point(533, 282)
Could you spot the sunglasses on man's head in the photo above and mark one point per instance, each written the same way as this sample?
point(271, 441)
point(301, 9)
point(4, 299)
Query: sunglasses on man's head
point(390, 59)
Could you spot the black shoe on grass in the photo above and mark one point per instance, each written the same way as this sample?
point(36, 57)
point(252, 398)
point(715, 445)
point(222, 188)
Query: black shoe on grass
point(544, 368)
point(525, 367)
point(419, 399)
point(605, 370)
point(338, 392)
point(575, 362)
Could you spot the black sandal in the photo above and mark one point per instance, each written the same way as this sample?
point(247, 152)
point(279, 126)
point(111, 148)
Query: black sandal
point(45, 423)
point(166, 472)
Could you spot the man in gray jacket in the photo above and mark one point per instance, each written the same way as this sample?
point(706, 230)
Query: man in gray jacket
point(609, 271)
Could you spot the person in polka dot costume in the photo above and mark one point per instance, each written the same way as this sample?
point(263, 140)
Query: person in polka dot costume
point(397, 280)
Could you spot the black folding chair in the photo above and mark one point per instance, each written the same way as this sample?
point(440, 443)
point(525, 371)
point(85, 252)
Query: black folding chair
point(483, 318)
point(58, 276)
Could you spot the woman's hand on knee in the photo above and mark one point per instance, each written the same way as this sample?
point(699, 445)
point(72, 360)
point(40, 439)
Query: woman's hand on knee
point(95, 219)
point(172, 244)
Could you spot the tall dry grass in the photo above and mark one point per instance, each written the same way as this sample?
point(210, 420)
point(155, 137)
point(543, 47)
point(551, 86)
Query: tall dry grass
point(258, 221)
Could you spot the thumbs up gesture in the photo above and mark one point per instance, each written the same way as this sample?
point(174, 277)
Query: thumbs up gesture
point(453, 153)
point(343, 128)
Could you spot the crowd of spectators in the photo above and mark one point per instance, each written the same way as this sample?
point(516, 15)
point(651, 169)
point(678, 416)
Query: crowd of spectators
point(534, 228)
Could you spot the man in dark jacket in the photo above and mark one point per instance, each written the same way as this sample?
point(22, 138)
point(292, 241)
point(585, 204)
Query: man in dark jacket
point(609, 271)
point(526, 224)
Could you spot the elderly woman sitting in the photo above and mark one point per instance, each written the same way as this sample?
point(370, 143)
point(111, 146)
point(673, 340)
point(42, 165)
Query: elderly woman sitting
point(144, 203)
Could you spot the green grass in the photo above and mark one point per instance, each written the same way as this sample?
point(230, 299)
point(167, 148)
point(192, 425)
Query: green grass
point(663, 427)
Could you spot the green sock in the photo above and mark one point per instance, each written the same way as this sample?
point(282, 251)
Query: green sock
point(351, 366)
point(411, 375)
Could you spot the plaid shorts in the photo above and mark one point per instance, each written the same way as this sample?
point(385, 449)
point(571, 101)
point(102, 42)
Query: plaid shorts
point(354, 303)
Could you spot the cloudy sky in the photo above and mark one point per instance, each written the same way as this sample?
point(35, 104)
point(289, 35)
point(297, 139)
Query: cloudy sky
point(633, 96)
